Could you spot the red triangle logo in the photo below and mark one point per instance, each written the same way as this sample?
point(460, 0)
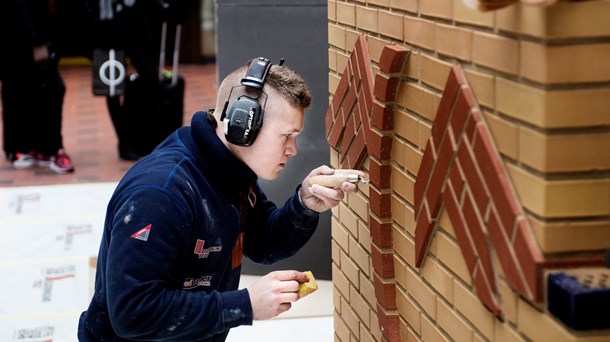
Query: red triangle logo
point(143, 233)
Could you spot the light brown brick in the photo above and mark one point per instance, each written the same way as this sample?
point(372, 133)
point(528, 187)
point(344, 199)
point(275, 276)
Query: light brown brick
point(414, 157)
point(346, 13)
point(434, 72)
point(417, 99)
point(375, 46)
point(341, 330)
point(449, 253)
point(399, 152)
point(586, 18)
point(509, 300)
point(359, 255)
point(340, 234)
point(335, 252)
point(366, 18)
point(340, 281)
point(350, 318)
point(482, 86)
point(351, 36)
point(359, 205)
point(454, 325)
point(406, 5)
point(332, 10)
point(430, 332)
point(581, 63)
point(333, 82)
point(571, 236)
point(564, 198)
point(336, 36)
point(467, 15)
point(553, 109)
point(419, 32)
point(496, 52)
point(402, 184)
point(400, 272)
point(503, 332)
point(439, 278)
point(336, 299)
point(360, 306)
point(505, 135)
point(422, 294)
point(408, 310)
point(540, 327)
point(348, 219)
point(564, 152)
point(469, 305)
point(332, 60)
point(404, 246)
point(350, 269)
point(406, 126)
point(439, 8)
point(399, 215)
point(367, 290)
point(391, 25)
point(453, 41)
point(364, 236)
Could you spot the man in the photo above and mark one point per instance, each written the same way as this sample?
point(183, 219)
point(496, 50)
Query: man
point(177, 225)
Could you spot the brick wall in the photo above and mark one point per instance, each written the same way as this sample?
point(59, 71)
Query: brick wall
point(486, 136)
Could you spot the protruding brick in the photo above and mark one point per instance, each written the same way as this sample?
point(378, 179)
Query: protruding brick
point(385, 293)
point(393, 58)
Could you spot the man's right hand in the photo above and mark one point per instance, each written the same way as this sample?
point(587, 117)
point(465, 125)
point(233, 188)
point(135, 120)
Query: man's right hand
point(274, 293)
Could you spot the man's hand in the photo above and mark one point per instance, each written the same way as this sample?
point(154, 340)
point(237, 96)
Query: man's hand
point(273, 293)
point(320, 198)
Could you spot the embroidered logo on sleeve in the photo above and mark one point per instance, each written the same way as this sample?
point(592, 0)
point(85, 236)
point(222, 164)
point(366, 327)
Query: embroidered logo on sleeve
point(143, 233)
point(205, 252)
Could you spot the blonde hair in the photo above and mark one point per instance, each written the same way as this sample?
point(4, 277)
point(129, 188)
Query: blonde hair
point(284, 80)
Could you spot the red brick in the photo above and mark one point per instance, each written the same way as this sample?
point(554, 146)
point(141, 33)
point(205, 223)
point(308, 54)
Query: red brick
point(379, 146)
point(328, 121)
point(492, 167)
point(382, 117)
point(383, 262)
point(380, 202)
point(341, 90)
point(423, 175)
point(379, 174)
point(484, 292)
point(389, 324)
point(441, 120)
point(439, 175)
point(381, 231)
point(336, 135)
point(385, 87)
point(385, 293)
point(505, 254)
point(474, 223)
point(349, 133)
point(393, 58)
point(357, 153)
point(529, 258)
point(473, 177)
point(364, 65)
point(471, 125)
point(423, 231)
point(456, 179)
point(459, 226)
point(350, 100)
point(460, 112)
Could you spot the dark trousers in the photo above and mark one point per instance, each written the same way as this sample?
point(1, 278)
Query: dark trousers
point(32, 101)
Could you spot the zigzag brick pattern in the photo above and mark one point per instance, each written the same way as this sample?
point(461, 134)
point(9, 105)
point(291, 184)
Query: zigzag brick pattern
point(463, 172)
point(359, 127)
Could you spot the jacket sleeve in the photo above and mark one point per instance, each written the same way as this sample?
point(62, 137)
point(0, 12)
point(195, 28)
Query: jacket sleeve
point(147, 247)
point(274, 234)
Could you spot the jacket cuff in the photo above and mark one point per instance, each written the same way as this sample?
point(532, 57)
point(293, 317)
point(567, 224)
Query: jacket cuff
point(236, 308)
point(301, 216)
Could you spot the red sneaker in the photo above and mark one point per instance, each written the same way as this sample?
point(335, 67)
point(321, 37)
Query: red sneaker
point(61, 163)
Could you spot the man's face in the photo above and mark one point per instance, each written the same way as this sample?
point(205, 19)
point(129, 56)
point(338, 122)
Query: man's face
point(277, 139)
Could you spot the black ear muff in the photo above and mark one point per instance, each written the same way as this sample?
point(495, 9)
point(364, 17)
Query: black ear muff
point(243, 117)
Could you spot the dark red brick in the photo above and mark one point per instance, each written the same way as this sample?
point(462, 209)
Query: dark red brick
point(385, 87)
point(383, 262)
point(439, 175)
point(389, 324)
point(357, 153)
point(441, 119)
point(456, 178)
point(459, 226)
point(380, 202)
point(385, 293)
point(423, 231)
point(382, 117)
point(473, 177)
point(529, 258)
point(485, 293)
point(379, 146)
point(381, 231)
point(379, 174)
point(423, 175)
point(393, 58)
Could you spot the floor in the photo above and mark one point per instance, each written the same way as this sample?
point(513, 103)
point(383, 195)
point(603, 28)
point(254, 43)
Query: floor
point(51, 227)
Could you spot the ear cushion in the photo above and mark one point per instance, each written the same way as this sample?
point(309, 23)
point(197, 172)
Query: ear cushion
point(243, 121)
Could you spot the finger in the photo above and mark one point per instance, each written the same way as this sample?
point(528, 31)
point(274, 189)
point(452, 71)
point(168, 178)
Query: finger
point(324, 193)
point(285, 275)
point(289, 297)
point(284, 307)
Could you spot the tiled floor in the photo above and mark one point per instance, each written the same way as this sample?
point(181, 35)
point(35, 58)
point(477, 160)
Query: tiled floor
point(89, 136)
point(51, 222)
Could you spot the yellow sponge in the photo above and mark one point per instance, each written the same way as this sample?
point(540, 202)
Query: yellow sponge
point(309, 286)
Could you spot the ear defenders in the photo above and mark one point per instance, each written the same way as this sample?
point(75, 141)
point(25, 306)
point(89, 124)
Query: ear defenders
point(243, 118)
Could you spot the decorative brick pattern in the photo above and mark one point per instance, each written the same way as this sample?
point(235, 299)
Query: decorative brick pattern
point(485, 207)
point(357, 127)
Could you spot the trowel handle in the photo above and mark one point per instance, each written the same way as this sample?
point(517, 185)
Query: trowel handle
point(335, 180)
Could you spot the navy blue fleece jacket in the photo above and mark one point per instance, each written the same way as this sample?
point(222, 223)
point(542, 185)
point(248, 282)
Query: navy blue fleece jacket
point(170, 258)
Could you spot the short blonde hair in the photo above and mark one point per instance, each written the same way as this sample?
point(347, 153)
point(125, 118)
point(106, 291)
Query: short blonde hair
point(284, 80)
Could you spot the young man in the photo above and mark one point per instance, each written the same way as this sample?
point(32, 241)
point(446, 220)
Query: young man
point(181, 219)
